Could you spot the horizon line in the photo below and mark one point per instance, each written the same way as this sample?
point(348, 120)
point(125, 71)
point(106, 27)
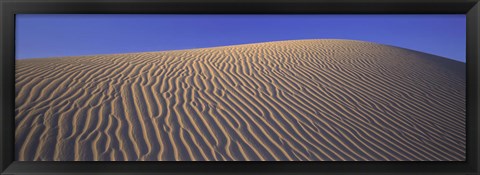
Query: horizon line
point(229, 45)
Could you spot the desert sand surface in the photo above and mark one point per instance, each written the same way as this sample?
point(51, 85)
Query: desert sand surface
point(296, 100)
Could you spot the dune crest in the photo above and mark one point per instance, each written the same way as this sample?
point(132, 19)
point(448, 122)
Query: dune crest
point(335, 100)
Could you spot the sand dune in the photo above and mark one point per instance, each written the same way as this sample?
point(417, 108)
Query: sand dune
point(288, 100)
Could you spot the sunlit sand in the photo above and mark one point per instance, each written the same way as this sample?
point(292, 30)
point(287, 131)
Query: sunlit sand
point(305, 100)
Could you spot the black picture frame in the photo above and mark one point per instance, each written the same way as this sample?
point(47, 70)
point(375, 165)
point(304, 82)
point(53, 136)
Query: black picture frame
point(8, 9)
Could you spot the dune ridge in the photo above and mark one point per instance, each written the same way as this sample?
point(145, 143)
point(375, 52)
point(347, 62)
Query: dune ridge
point(328, 100)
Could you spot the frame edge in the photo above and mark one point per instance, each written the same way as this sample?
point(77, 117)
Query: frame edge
point(7, 46)
point(473, 79)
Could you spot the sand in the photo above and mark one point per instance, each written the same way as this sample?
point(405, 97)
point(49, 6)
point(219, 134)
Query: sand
point(300, 100)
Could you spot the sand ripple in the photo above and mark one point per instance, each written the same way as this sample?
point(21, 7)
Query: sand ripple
point(288, 100)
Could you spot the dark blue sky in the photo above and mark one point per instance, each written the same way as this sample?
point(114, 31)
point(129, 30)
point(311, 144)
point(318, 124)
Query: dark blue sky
point(40, 36)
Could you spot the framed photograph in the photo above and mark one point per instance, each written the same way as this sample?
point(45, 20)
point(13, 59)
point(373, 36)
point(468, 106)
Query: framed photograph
point(227, 87)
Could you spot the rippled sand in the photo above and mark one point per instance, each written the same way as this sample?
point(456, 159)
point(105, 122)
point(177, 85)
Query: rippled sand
point(287, 100)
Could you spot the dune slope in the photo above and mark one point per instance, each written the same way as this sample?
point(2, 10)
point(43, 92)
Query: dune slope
point(288, 100)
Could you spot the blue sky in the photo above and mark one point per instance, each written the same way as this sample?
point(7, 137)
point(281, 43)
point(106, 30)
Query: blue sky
point(55, 35)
